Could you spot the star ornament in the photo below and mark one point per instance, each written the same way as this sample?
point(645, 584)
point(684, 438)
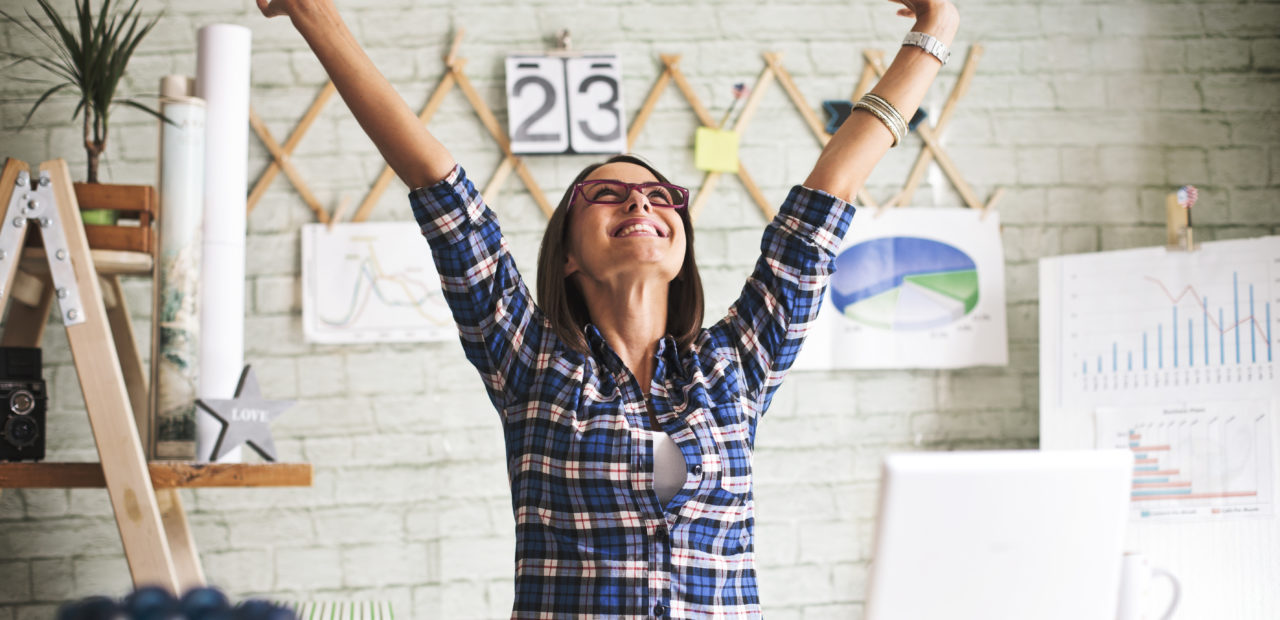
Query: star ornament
point(246, 418)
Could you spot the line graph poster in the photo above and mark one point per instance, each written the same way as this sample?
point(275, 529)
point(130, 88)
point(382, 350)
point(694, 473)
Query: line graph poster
point(371, 282)
point(914, 288)
point(1150, 326)
point(1204, 461)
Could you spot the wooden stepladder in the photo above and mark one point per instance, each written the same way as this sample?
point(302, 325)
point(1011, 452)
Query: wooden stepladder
point(153, 528)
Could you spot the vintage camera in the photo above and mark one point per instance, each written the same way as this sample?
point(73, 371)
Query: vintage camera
point(23, 402)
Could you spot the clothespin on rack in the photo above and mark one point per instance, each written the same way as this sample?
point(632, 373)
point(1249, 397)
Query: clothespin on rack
point(339, 212)
point(991, 203)
point(562, 45)
point(1177, 208)
point(451, 59)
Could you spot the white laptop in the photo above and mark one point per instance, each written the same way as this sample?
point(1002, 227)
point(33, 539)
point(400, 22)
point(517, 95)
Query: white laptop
point(998, 535)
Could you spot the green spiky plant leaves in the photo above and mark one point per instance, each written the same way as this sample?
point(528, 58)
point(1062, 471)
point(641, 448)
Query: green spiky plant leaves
point(90, 56)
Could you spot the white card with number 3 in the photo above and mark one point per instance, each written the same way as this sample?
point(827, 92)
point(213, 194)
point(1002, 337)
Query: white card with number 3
point(596, 121)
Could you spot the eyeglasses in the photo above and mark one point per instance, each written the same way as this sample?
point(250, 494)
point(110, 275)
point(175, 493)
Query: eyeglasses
point(611, 192)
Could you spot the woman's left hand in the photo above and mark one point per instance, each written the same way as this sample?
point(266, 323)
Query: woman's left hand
point(916, 8)
point(939, 18)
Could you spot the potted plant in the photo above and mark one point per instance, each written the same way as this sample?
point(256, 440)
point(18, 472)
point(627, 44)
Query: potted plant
point(89, 57)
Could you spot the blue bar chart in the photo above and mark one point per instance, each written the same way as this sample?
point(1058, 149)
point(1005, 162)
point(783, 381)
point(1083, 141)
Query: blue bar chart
point(1256, 327)
point(1152, 326)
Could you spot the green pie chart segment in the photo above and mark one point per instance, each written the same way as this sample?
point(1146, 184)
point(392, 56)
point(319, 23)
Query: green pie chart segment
point(961, 285)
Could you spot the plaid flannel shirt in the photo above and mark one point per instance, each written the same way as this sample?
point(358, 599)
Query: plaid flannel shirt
point(592, 538)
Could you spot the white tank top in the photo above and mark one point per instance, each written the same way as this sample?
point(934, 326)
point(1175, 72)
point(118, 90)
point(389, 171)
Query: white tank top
point(668, 467)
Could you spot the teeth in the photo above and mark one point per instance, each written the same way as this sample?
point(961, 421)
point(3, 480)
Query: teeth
point(634, 228)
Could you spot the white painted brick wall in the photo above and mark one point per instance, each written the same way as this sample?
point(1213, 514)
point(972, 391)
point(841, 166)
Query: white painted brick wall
point(1087, 113)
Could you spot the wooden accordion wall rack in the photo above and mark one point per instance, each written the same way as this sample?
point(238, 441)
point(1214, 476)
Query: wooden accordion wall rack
point(455, 76)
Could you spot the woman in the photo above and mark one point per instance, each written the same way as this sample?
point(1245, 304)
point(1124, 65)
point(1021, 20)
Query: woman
point(628, 427)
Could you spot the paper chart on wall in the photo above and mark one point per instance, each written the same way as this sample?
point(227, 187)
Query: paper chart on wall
point(914, 288)
point(1133, 339)
point(371, 282)
point(1149, 326)
point(1196, 461)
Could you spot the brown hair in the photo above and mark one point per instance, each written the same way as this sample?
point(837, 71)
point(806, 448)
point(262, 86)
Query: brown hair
point(561, 299)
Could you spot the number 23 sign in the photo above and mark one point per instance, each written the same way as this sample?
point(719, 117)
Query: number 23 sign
point(565, 105)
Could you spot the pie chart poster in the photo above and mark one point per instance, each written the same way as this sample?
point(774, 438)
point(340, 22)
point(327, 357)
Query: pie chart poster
point(914, 288)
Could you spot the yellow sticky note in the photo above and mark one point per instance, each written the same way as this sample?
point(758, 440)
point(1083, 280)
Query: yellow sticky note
point(715, 150)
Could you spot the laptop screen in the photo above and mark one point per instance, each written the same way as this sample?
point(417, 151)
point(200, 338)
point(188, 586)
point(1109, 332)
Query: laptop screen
point(1000, 534)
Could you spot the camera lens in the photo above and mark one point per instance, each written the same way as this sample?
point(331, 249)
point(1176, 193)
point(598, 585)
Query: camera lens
point(21, 432)
point(21, 402)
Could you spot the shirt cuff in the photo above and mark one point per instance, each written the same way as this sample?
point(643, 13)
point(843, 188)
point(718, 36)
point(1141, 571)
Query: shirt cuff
point(447, 210)
point(818, 216)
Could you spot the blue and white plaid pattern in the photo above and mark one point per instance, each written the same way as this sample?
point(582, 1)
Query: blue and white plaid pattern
point(591, 536)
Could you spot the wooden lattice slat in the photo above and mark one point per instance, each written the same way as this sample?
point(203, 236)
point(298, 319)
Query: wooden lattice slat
point(774, 70)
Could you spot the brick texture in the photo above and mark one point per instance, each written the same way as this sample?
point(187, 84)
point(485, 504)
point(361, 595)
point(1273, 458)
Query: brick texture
point(1086, 113)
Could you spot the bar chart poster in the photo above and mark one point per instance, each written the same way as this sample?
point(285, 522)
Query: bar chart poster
point(1203, 461)
point(371, 282)
point(1151, 326)
point(914, 288)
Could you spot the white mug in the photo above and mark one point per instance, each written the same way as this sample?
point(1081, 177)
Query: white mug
point(1136, 574)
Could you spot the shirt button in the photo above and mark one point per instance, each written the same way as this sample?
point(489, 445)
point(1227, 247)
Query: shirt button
point(697, 470)
point(659, 610)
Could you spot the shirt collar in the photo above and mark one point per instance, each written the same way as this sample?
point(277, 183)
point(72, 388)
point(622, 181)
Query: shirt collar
point(600, 349)
point(668, 352)
point(669, 355)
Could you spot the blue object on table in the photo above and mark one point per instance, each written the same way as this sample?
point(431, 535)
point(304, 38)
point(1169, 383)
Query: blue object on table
point(151, 603)
point(206, 604)
point(261, 610)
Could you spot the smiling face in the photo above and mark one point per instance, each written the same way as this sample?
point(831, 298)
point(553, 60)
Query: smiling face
point(595, 241)
point(623, 242)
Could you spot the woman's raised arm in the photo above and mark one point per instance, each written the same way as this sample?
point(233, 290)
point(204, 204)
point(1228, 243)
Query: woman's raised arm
point(412, 152)
point(853, 152)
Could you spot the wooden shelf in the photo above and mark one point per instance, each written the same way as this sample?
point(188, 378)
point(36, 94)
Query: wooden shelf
point(107, 262)
point(163, 475)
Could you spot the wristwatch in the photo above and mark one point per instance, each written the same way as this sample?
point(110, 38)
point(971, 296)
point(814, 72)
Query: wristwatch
point(929, 44)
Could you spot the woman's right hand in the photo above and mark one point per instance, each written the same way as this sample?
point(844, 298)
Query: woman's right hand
point(416, 156)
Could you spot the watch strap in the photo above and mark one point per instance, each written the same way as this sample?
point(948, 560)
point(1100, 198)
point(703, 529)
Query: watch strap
point(928, 43)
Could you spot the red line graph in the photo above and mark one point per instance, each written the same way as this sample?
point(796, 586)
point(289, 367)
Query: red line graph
point(1175, 299)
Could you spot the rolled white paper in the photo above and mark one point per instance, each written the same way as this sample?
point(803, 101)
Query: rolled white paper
point(175, 353)
point(223, 82)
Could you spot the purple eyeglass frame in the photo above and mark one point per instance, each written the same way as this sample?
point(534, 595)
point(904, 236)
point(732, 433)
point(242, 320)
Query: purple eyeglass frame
point(676, 189)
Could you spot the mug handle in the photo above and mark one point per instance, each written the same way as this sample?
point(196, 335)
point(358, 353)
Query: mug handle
point(1177, 591)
